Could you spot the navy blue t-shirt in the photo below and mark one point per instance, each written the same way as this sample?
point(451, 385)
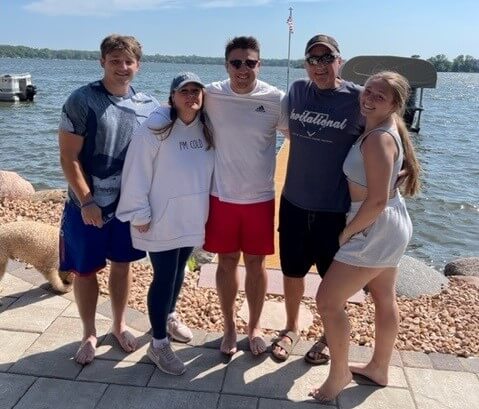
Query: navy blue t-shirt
point(323, 125)
point(107, 123)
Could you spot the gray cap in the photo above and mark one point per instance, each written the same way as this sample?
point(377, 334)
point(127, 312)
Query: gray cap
point(322, 39)
point(184, 78)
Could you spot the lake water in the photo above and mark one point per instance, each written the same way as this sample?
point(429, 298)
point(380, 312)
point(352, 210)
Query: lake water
point(445, 215)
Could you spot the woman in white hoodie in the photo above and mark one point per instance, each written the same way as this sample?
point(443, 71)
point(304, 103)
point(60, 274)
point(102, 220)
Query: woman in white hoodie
point(165, 196)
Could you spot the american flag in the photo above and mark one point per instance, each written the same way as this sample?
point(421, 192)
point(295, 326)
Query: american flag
point(290, 23)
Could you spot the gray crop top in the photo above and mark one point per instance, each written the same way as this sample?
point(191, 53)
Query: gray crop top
point(353, 166)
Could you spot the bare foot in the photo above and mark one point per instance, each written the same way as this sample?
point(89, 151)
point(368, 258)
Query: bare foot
point(126, 340)
point(257, 345)
point(228, 343)
point(331, 387)
point(373, 373)
point(86, 351)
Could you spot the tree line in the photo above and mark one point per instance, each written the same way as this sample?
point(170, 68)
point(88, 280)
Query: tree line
point(11, 51)
point(462, 63)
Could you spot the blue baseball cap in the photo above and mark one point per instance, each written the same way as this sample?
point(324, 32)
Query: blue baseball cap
point(184, 78)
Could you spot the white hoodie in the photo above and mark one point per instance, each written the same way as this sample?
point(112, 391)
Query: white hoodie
point(167, 184)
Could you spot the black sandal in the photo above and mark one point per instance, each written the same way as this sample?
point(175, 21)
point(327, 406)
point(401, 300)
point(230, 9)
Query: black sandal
point(320, 358)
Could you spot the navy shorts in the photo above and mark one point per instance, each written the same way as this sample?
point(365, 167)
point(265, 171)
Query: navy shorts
point(84, 249)
point(306, 238)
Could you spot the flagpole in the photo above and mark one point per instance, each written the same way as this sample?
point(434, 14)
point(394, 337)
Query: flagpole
point(290, 31)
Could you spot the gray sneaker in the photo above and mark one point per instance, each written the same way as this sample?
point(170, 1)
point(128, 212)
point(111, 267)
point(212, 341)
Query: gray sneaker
point(178, 331)
point(165, 359)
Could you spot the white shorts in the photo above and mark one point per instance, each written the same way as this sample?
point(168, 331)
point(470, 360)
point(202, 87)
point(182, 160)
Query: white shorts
point(384, 242)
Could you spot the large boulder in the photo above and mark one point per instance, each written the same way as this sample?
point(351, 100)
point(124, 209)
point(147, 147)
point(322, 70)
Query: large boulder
point(51, 195)
point(13, 186)
point(416, 278)
point(474, 280)
point(468, 266)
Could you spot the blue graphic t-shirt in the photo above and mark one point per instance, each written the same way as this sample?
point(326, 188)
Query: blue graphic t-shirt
point(323, 125)
point(107, 123)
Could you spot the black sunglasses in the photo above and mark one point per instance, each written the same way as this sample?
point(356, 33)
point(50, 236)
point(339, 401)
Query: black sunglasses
point(324, 59)
point(249, 63)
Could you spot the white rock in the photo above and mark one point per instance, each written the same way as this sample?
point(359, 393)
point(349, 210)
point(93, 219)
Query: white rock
point(14, 186)
point(416, 278)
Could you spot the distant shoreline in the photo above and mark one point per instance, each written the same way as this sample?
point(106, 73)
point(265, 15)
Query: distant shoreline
point(460, 64)
point(9, 51)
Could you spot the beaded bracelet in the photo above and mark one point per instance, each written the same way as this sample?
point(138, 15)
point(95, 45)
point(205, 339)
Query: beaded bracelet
point(89, 203)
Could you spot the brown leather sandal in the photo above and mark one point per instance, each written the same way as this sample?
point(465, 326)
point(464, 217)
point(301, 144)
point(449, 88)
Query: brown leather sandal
point(319, 357)
point(284, 345)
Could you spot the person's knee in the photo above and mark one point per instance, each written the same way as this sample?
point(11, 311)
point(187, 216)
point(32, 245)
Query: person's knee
point(253, 264)
point(227, 262)
point(328, 305)
point(383, 297)
point(293, 281)
point(79, 279)
point(119, 269)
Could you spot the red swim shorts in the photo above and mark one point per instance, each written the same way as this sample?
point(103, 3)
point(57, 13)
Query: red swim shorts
point(232, 227)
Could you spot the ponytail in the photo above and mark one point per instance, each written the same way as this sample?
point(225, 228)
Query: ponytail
point(411, 165)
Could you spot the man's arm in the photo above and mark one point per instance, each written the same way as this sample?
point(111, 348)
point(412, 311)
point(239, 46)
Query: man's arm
point(70, 147)
point(283, 123)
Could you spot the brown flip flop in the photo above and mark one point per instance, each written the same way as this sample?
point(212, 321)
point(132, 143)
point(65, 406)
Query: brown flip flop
point(317, 350)
point(284, 345)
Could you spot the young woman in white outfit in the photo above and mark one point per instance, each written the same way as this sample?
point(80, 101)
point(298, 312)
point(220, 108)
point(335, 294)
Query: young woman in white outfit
point(165, 196)
point(377, 232)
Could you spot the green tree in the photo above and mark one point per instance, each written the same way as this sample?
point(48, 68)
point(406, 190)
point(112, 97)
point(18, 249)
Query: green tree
point(441, 63)
point(457, 63)
point(464, 64)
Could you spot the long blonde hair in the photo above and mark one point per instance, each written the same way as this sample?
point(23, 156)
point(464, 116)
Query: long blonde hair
point(401, 90)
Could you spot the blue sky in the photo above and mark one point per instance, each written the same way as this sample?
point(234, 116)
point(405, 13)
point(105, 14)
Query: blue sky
point(201, 27)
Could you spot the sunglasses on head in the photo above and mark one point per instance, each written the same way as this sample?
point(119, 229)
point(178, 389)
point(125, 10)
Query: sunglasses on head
point(324, 59)
point(249, 63)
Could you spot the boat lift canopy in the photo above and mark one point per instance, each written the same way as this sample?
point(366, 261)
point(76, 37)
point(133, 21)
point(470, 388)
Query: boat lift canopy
point(420, 74)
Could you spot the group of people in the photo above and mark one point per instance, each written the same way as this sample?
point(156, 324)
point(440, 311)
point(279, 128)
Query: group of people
point(199, 172)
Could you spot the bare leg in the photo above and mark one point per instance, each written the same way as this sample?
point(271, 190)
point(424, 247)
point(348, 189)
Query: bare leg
point(227, 284)
point(293, 293)
point(341, 281)
point(85, 290)
point(255, 288)
point(383, 292)
point(119, 286)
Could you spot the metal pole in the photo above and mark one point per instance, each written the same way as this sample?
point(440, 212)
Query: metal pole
point(290, 31)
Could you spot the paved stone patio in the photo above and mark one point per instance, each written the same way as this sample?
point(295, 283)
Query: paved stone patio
point(40, 331)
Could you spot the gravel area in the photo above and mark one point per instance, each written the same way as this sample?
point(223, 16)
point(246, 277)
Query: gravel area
point(447, 322)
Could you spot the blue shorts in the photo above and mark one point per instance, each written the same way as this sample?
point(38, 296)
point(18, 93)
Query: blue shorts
point(84, 249)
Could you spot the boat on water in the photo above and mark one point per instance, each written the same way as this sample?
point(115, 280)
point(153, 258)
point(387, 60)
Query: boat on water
point(16, 87)
point(420, 74)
